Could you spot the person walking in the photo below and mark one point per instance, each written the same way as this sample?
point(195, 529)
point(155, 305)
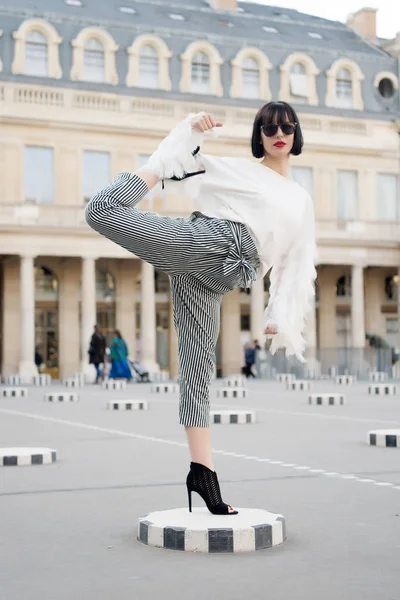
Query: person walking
point(97, 350)
point(119, 358)
point(249, 360)
point(251, 217)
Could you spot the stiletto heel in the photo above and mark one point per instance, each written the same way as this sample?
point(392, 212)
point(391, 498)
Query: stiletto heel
point(202, 480)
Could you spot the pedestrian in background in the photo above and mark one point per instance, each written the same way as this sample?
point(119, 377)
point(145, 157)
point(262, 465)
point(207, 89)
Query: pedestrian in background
point(97, 350)
point(119, 358)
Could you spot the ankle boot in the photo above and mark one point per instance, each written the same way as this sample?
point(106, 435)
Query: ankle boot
point(202, 480)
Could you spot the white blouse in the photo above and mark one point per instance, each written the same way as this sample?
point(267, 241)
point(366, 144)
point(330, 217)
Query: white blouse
point(278, 213)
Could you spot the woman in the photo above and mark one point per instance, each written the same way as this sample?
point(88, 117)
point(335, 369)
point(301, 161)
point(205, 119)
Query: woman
point(119, 354)
point(97, 350)
point(253, 217)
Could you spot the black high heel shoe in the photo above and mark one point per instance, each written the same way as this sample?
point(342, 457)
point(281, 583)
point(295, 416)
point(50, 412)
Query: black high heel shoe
point(202, 480)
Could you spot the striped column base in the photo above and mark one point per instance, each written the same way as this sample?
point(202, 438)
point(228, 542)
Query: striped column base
point(128, 405)
point(234, 382)
point(14, 380)
point(232, 393)
point(22, 457)
point(200, 531)
point(378, 376)
point(382, 389)
point(41, 380)
point(326, 399)
point(14, 392)
point(299, 385)
point(285, 377)
point(165, 388)
point(160, 376)
point(114, 385)
point(227, 417)
point(344, 379)
point(73, 382)
point(388, 438)
point(61, 397)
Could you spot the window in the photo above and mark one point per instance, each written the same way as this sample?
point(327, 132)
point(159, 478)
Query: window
point(344, 88)
point(386, 88)
point(93, 61)
point(105, 286)
point(299, 82)
point(251, 78)
point(391, 287)
point(39, 175)
point(304, 177)
point(96, 172)
point(200, 81)
point(148, 67)
point(343, 331)
point(347, 195)
point(36, 54)
point(343, 286)
point(387, 197)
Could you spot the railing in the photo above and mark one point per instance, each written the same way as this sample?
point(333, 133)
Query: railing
point(386, 231)
point(327, 362)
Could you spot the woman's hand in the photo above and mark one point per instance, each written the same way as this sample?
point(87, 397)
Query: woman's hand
point(204, 121)
point(271, 329)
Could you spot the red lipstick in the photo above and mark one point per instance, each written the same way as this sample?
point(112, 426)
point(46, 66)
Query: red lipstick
point(280, 144)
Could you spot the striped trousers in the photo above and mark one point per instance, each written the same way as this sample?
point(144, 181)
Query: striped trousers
point(204, 258)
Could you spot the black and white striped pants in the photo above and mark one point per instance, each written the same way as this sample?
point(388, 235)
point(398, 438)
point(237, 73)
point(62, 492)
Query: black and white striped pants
point(204, 258)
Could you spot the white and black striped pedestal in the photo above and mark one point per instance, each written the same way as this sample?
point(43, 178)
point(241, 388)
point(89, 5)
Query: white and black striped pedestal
point(200, 531)
point(299, 386)
point(159, 377)
point(73, 382)
point(378, 376)
point(326, 399)
point(165, 388)
point(61, 397)
point(115, 385)
point(232, 393)
point(128, 405)
point(227, 417)
point(382, 389)
point(22, 457)
point(14, 380)
point(344, 379)
point(237, 381)
point(285, 377)
point(41, 380)
point(14, 392)
point(387, 438)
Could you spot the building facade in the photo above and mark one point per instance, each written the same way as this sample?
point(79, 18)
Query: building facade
point(89, 88)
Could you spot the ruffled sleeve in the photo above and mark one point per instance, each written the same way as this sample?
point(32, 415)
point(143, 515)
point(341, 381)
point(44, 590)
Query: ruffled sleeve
point(292, 289)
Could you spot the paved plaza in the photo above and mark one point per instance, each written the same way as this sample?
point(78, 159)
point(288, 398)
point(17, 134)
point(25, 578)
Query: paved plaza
point(68, 529)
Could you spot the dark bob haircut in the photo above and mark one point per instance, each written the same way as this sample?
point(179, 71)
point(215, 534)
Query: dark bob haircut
point(275, 112)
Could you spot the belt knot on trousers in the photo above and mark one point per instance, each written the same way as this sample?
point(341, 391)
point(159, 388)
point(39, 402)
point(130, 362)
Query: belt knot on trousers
point(236, 259)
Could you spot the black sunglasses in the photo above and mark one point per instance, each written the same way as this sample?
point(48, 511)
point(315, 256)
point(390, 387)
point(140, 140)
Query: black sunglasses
point(271, 128)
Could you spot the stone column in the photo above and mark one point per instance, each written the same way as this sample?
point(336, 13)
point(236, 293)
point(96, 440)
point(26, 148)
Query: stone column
point(313, 365)
point(257, 311)
point(357, 307)
point(148, 318)
point(88, 312)
point(68, 311)
point(327, 276)
point(126, 277)
point(172, 344)
point(27, 366)
point(231, 350)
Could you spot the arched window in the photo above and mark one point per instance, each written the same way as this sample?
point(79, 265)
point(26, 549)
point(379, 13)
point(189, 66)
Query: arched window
point(200, 79)
point(36, 54)
point(391, 287)
point(251, 78)
point(148, 67)
point(344, 88)
point(299, 82)
point(46, 284)
point(343, 286)
point(93, 61)
point(105, 286)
